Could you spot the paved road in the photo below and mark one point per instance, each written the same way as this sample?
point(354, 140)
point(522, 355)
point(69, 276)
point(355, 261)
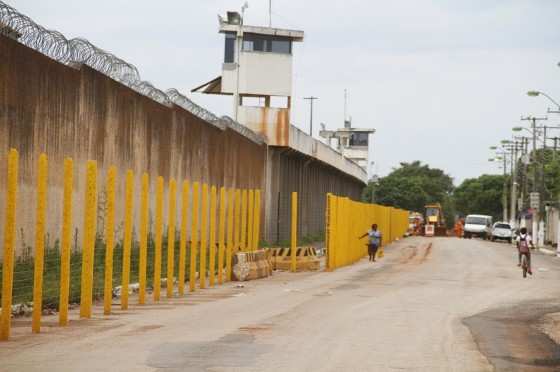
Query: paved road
point(440, 304)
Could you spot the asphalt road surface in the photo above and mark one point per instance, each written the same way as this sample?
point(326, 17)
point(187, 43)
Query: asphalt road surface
point(439, 304)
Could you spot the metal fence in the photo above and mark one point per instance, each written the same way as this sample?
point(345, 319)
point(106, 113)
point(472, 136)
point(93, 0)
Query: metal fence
point(348, 219)
point(205, 226)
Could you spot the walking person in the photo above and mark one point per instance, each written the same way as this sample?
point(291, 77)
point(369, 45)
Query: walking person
point(374, 241)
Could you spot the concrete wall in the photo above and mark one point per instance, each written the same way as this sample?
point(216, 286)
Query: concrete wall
point(289, 170)
point(272, 123)
point(307, 145)
point(80, 113)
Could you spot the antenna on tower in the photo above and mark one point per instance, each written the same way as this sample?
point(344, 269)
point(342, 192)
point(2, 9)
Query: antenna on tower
point(347, 121)
point(345, 105)
point(269, 13)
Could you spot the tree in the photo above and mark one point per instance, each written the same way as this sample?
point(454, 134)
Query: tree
point(411, 187)
point(482, 195)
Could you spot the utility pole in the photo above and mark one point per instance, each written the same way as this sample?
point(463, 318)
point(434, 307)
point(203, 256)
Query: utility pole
point(311, 99)
point(512, 206)
point(504, 197)
point(536, 232)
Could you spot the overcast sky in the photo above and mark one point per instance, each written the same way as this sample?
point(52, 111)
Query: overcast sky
point(440, 80)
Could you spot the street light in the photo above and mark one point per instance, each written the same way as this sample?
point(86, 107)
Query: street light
point(493, 147)
point(536, 93)
point(517, 129)
point(505, 142)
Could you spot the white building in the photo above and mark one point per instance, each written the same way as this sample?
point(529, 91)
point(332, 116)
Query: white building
point(353, 143)
point(257, 72)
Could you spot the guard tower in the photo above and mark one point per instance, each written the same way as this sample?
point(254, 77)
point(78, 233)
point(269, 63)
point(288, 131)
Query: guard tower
point(257, 72)
point(353, 143)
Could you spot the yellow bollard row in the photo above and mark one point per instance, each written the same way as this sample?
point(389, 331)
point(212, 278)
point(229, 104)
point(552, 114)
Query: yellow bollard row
point(220, 224)
point(347, 220)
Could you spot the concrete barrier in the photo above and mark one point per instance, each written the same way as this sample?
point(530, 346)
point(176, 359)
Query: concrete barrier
point(252, 265)
point(306, 258)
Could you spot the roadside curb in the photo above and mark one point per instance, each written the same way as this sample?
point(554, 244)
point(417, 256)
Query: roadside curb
point(547, 251)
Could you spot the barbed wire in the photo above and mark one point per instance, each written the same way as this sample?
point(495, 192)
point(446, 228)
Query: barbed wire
point(243, 130)
point(181, 100)
point(79, 51)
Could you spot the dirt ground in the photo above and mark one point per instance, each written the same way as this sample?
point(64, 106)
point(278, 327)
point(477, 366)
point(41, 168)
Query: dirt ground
point(439, 304)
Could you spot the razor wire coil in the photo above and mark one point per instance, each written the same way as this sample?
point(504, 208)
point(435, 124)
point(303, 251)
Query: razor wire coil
point(79, 51)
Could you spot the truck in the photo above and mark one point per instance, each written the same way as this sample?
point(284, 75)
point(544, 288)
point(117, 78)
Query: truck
point(434, 220)
point(478, 225)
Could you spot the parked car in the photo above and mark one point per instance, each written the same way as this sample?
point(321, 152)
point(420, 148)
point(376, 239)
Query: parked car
point(478, 225)
point(502, 231)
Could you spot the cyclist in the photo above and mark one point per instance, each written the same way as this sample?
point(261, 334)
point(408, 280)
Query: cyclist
point(374, 241)
point(524, 242)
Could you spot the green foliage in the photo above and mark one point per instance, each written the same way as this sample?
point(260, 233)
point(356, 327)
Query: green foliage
point(482, 195)
point(411, 187)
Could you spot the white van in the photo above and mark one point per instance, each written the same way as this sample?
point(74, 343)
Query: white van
point(478, 225)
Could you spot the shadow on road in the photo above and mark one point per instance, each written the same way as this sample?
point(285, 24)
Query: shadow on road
point(511, 339)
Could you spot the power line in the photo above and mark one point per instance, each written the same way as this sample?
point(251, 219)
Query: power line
point(311, 99)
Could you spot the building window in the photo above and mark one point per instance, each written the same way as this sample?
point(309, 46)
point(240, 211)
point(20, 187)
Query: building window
point(229, 50)
point(359, 139)
point(265, 43)
point(281, 46)
point(253, 101)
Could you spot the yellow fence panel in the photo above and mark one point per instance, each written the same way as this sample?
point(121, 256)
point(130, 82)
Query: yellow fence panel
point(348, 220)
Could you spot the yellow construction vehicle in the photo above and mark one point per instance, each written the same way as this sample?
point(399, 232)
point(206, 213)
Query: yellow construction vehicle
point(434, 224)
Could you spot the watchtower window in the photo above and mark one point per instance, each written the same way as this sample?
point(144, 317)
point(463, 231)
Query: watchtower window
point(359, 139)
point(266, 43)
point(229, 50)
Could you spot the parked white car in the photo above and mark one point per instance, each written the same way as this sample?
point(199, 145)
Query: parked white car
point(478, 225)
point(502, 231)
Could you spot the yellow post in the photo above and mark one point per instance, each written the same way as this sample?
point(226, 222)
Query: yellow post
point(237, 225)
point(203, 236)
point(250, 217)
point(158, 238)
point(293, 245)
point(109, 239)
point(212, 243)
point(243, 242)
point(39, 243)
point(9, 242)
point(143, 259)
point(257, 220)
point(328, 231)
point(127, 244)
point(230, 246)
point(65, 242)
point(171, 237)
point(183, 242)
point(194, 236)
point(221, 235)
point(88, 245)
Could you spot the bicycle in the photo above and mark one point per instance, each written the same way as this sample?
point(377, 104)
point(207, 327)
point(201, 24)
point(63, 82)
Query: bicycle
point(524, 265)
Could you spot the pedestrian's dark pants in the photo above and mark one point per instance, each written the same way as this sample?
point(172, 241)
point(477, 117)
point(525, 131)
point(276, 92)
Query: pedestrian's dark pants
point(372, 250)
point(528, 254)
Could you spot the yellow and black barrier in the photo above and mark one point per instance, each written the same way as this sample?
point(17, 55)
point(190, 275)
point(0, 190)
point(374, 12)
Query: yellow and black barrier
point(306, 259)
point(347, 220)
